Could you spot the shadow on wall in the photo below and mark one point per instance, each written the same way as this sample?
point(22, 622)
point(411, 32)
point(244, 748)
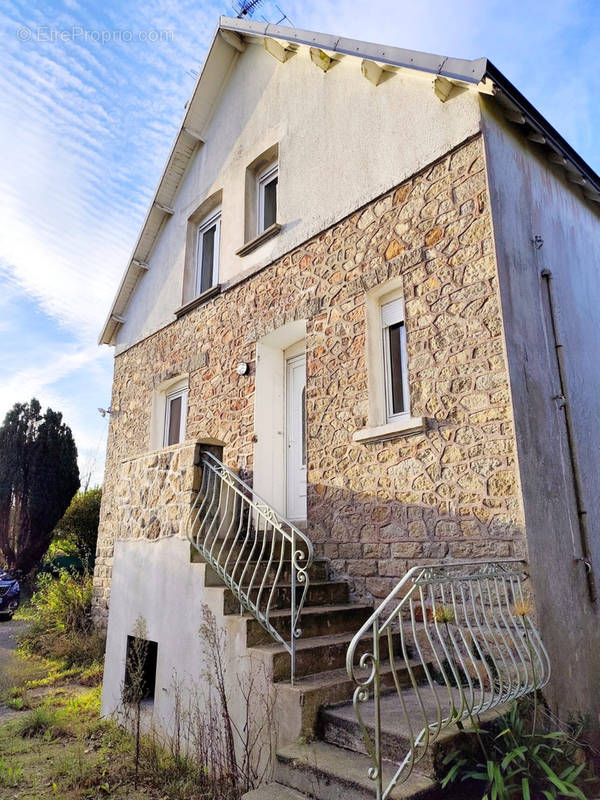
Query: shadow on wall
point(372, 543)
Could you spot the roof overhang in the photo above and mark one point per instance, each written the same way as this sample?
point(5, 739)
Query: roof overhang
point(225, 47)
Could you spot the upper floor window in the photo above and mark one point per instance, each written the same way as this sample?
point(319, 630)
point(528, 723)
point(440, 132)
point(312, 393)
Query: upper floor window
point(267, 198)
point(175, 414)
point(207, 260)
point(394, 359)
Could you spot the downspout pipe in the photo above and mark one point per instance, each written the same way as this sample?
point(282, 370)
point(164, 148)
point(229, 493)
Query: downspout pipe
point(572, 445)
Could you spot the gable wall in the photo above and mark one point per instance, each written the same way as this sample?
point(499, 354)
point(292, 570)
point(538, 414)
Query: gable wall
point(373, 509)
point(530, 197)
point(342, 142)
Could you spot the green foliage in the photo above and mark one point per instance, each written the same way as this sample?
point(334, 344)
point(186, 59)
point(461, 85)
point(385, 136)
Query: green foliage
point(38, 478)
point(10, 776)
point(77, 531)
point(62, 627)
point(40, 722)
point(514, 760)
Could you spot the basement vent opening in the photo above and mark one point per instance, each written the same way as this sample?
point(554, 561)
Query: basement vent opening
point(140, 670)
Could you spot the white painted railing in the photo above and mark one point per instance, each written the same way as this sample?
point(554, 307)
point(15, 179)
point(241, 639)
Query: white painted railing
point(262, 557)
point(459, 638)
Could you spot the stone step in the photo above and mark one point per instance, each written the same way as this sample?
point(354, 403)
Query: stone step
point(339, 726)
point(326, 772)
point(318, 571)
point(320, 593)
point(273, 791)
point(302, 701)
point(314, 655)
point(315, 621)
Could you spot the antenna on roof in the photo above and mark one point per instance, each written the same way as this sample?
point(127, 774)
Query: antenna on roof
point(283, 17)
point(246, 8)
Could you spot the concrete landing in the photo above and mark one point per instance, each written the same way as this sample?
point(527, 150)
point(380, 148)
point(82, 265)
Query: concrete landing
point(273, 791)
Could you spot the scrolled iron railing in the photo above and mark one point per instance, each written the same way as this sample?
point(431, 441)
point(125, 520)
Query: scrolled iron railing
point(261, 557)
point(460, 639)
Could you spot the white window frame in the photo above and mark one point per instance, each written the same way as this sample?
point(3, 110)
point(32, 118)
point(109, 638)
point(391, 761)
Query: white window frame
point(392, 313)
point(265, 177)
point(214, 219)
point(180, 389)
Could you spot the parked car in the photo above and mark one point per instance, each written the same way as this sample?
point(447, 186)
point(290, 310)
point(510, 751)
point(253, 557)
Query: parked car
point(10, 594)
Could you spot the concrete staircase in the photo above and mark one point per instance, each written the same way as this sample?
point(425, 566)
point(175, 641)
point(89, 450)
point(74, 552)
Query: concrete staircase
point(325, 758)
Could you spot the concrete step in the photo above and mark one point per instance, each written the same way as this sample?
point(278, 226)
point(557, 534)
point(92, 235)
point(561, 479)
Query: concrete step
point(314, 655)
point(318, 571)
point(308, 695)
point(339, 726)
point(315, 621)
point(319, 593)
point(326, 772)
point(273, 791)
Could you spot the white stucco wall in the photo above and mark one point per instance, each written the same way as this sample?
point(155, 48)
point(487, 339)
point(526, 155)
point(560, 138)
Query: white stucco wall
point(530, 197)
point(342, 142)
point(156, 582)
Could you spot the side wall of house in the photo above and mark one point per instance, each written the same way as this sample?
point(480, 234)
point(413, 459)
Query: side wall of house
point(532, 198)
point(373, 508)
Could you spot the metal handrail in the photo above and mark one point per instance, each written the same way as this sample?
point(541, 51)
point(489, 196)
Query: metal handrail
point(247, 543)
point(463, 636)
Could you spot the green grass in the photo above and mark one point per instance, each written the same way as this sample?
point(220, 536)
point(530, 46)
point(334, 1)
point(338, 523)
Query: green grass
point(60, 748)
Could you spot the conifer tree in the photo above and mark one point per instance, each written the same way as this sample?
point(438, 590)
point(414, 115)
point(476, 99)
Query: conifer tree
point(38, 478)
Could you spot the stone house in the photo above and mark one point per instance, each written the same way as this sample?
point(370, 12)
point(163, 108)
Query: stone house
point(368, 281)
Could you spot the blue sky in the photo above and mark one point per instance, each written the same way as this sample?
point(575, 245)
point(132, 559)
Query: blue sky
point(91, 96)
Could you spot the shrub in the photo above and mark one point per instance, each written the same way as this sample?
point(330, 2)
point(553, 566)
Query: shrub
point(520, 758)
point(77, 532)
point(61, 621)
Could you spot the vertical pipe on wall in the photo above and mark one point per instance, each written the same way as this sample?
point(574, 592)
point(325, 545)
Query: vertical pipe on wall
point(566, 406)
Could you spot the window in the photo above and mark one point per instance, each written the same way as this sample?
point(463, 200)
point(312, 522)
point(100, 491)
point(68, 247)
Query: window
point(394, 359)
point(389, 403)
point(175, 415)
point(267, 198)
point(207, 260)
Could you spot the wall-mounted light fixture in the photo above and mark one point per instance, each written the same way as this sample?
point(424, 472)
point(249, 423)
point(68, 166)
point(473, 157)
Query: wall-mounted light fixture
point(104, 411)
point(242, 368)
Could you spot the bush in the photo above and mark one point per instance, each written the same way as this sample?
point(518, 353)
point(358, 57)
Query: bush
point(76, 533)
point(523, 757)
point(61, 621)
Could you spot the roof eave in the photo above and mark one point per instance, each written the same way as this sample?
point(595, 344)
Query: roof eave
point(110, 328)
point(539, 123)
point(460, 69)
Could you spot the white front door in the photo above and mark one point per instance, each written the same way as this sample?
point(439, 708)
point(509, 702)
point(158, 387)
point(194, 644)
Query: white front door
point(296, 437)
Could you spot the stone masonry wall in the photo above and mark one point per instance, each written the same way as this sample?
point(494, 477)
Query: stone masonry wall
point(374, 509)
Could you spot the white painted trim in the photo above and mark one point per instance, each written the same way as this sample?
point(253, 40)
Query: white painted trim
point(169, 398)
point(295, 357)
point(214, 219)
point(392, 313)
point(167, 388)
point(376, 368)
point(401, 426)
point(269, 412)
point(264, 178)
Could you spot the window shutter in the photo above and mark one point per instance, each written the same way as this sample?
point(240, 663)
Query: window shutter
point(391, 313)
